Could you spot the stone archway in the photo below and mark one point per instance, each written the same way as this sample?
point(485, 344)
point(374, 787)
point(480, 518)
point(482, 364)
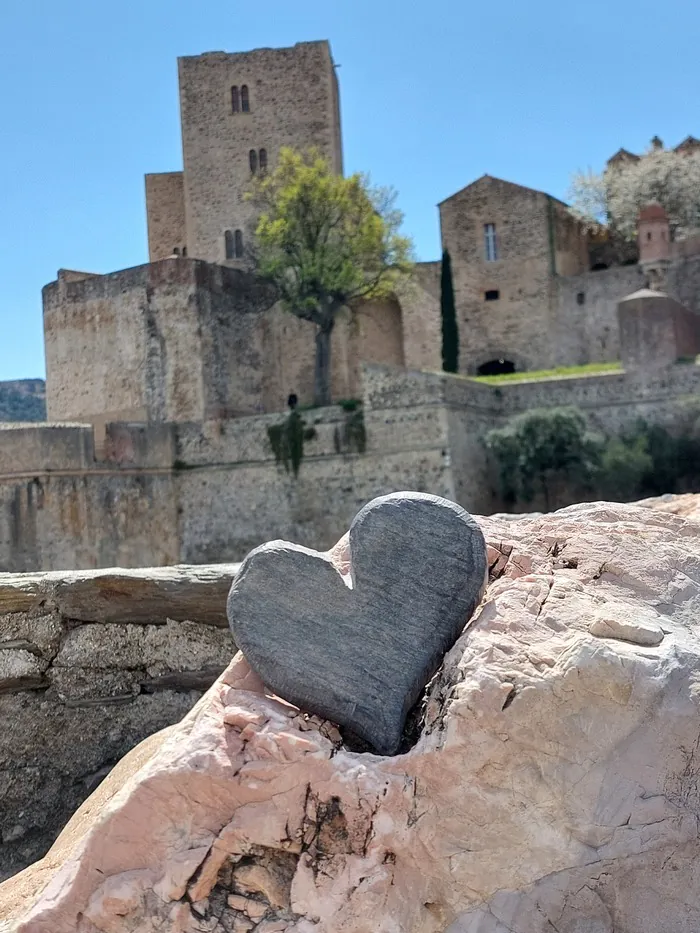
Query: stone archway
point(499, 366)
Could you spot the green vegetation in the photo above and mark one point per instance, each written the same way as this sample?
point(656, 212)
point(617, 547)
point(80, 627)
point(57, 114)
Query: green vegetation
point(539, 448)
point(287, 441)
point(590, 369)
point(450, 331)
point(552, 453)
point(351, 436)
point(324, 242)
point(22, 401)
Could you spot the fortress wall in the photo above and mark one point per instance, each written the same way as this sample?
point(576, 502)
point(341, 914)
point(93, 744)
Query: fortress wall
point(90, 664)
point(165, 212)
point(589, 332)
point(28, 447)
point(228, 510)
point(683, 279)
point(88, 519)
point(420, 318)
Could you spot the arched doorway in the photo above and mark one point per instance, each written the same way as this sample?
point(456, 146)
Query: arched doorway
point(497, 367)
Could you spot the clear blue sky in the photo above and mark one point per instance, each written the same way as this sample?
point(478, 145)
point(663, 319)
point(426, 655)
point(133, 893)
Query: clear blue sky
point(433, 95)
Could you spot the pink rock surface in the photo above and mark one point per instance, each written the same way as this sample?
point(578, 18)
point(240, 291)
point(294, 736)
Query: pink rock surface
point(554, 786)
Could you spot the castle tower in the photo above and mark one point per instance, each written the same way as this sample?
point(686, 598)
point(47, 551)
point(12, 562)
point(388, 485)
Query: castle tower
point(653, 233)
point(237, 111)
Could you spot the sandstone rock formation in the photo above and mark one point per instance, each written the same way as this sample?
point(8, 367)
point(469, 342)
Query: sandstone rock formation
point(555, 785)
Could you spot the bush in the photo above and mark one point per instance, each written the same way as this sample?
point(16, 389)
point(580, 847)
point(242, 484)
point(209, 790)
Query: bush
point(541, 448)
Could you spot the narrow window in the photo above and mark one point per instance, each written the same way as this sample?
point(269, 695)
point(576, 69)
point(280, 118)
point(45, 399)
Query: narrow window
point(490, 242)
point(492, 295)
point(235, 100)
point(649, 235)
point(262, 157)
point(176, 251)
point(581, 298)
point(245, 99)
point(238, 244)
point(184, 250)
point(228, 243)
point(253, 159)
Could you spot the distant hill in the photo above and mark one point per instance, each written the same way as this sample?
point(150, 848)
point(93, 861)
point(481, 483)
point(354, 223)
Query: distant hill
point(23, 400)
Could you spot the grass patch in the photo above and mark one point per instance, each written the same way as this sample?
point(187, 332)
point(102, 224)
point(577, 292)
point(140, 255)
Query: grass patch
point(590, 369)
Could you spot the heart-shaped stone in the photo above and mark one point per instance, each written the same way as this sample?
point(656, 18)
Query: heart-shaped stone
point(358, 650)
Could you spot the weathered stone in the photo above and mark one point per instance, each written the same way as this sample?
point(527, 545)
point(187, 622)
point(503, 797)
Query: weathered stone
point(173, 646)
point(20, 670)
point(359, 651)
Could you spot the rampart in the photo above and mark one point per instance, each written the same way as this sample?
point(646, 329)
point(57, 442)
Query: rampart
point(199, 492)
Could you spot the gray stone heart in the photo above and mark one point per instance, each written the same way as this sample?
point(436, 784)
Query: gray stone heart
point(359, 650)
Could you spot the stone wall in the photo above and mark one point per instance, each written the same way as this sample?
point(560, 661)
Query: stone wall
point(165, 213)
point(506, 308)
point(293, 95)
point(587, 327)
point(210, 491)
point(91, 664)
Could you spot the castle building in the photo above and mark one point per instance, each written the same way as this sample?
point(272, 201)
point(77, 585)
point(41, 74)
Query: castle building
point(165, 382)
point(237, 111)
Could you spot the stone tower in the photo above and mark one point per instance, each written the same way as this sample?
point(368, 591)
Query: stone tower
point(237, 111)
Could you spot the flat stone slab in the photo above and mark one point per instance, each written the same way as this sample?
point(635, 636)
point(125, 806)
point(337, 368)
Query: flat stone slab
point(359, 649)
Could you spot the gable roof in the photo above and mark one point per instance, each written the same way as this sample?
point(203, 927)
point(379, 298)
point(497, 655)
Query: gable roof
point(488, 179)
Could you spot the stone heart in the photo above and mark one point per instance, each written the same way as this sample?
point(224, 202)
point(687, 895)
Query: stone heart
point(358, 650)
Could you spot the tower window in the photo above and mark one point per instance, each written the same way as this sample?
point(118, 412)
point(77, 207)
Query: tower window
point(490, 245)
point(253, 159)
point(235, 100)
point(649, 235)
point(233, 244)
point(245, 99)
point(262, 158)
point(581, 298)
point(492, 295)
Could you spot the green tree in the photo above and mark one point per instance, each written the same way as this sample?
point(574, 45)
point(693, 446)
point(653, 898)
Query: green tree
point(450, 332)
point(325, 242)
point(541, 446)
point(625, 467)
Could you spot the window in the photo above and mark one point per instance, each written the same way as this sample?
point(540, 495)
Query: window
point(184, 250)
point(235, 100)
point(245, 100)
point(253, 159)
point(492, 295)
point(176, 251)
point(233, 243)
point(262, 159)
point(649, 235)
point(581, 298)
point(490, 242)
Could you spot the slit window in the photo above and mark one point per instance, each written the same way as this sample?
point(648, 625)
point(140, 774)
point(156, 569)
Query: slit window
point(490, 244)
point(492, 294)
point(235, 99)
point(253, 160)
point(262, 160)
point(238, 244)
point(245, 99)
point(581, 298)
point(228, 244)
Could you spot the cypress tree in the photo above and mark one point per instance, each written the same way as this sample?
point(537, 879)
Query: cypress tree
point(450, 333)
